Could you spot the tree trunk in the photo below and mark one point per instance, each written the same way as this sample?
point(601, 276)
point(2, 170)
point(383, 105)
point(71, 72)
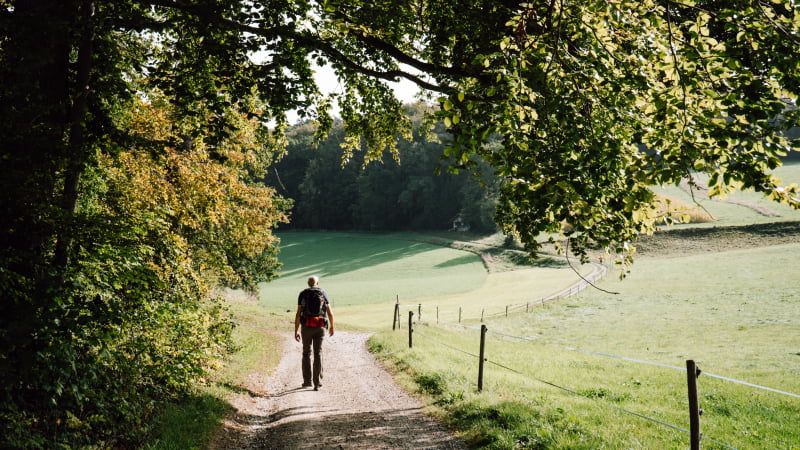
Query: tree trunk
point(34, 121)
point(34, 110)
point(76, 145)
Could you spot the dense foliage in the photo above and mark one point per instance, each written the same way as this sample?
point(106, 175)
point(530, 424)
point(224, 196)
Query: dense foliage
point(132, 132)
point(384, 195)
point(578, 89)
point(123, 207)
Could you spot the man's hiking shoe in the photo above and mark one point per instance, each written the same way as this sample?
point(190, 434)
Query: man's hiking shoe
point(317, 387)
point(306, 384)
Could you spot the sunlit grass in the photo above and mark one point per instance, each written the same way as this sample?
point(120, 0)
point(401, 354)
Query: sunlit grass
point(365, 275)
point(734, 209)
point(737, 314)
point(359, 269)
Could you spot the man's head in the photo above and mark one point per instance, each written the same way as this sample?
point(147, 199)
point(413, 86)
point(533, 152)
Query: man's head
point(313, 281)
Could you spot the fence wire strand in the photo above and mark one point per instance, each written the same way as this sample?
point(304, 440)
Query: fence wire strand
point(416, 332)
point(623, 358)
point(641, 416)
point(590, 398)
point(424, 336)
point(751, 384)
point(459, 325)
point(639, 361)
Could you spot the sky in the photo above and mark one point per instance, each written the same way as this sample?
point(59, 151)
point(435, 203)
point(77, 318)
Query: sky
point(328, 83)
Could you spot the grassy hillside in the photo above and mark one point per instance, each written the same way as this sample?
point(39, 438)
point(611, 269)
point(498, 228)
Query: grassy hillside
point(357, 269)
point(740, 208)
point(365, 274)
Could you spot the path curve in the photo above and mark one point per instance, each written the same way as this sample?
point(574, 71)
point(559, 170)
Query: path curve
point(358, 407)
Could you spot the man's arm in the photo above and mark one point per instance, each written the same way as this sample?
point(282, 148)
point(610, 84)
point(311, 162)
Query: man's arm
point(297, 323)
point(330, 319)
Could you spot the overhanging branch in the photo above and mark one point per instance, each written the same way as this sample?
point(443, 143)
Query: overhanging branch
point(313, 42)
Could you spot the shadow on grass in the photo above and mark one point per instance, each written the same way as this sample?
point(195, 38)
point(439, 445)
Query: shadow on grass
point(458, 261)
point(188, 423)
point(243, 390)
point(329, 254)
point(692, 240)
point(518, 258)
point(765, 230)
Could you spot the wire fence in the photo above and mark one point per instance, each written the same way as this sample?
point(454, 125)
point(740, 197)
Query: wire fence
point(598, 272)
point(694, 431)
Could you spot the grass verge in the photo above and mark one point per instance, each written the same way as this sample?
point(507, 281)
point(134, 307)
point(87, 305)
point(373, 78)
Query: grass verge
point(192, 422)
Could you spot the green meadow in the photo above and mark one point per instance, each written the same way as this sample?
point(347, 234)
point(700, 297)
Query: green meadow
point(570, 383)
point(360, 269)
point(366, 274)
point(600, 369)
point(736, 313)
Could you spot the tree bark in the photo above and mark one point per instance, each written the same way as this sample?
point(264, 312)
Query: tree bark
point(76, 145)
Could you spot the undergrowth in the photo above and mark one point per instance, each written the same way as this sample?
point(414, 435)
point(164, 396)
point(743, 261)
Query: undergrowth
point(191, 421)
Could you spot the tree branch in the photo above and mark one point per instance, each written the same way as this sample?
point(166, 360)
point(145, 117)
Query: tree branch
point(400, 56)
point(313, 42)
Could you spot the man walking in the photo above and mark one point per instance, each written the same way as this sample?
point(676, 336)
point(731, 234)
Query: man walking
point(314, 314)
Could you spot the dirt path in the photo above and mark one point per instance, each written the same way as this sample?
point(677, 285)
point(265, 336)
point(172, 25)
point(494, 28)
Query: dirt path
point(358, 407)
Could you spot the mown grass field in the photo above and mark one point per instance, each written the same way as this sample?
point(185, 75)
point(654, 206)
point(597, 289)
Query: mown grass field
point(735, 309)
point(366, 274)
point(737, 314)
point(359, 269)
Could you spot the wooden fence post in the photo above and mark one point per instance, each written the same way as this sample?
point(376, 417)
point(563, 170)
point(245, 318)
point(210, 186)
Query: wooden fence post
point(410, 329)
point(437, 314)
point(396, 319)
point(506, 310)
point(692, 372)
point(459, 314)
point(481, 358)
point(419, 312)
point(482, 310)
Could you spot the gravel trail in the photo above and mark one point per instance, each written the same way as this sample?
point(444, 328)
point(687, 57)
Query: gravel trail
point(358, 407)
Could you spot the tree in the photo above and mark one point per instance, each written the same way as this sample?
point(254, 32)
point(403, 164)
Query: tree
point(327, 189)
point(122, 211)
point(574, 90)
point(405, 193)
point(578, 87)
